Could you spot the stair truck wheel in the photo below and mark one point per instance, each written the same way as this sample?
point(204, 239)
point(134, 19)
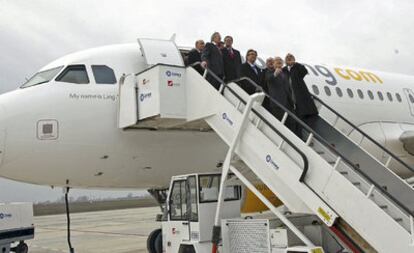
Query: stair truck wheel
point(152, 241)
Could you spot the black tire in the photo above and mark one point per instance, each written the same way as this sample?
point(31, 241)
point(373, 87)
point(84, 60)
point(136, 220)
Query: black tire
point(22, 248)
point(151, 241)
point(186, 249)
point(158, 243)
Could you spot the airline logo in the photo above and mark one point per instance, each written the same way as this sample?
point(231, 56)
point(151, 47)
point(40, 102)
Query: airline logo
point(227, 119)
point(145, 96)
point(170, 73)
point(145, 81)
point(171, 83)
point(5, 215)
point(271, 162)
point(343, 73)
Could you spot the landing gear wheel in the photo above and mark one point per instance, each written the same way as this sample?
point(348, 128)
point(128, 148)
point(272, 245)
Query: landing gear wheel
point(21, 248)
point(154, 241)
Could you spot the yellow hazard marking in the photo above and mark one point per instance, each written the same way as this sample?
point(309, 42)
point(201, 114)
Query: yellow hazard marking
point(324, 214)
point(317, 250)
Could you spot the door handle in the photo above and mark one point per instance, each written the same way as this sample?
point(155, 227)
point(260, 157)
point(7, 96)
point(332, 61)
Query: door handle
point(185, 223)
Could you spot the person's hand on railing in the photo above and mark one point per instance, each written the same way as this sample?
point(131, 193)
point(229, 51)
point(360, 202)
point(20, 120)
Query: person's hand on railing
point(204, 64)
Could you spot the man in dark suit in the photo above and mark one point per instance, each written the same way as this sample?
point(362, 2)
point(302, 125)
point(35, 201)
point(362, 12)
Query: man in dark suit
point(304, 105)
point(266, 74)
point(231, 60)
point(212, 59)
point(277, 85)
point(195, 55)
point(250, 70)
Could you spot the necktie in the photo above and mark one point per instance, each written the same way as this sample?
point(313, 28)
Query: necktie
point(255, 70)
point(231, 53)
point(292, 93)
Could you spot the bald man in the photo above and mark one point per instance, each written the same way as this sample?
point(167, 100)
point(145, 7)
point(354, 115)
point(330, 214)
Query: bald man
point(195, 55)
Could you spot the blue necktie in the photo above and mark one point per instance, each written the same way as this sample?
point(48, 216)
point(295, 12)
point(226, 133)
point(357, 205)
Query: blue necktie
point(255, 70)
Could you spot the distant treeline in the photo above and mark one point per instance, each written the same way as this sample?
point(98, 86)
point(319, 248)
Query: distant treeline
point(92, 206)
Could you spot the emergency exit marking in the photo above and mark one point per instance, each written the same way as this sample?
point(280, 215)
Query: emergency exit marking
point(47, 129)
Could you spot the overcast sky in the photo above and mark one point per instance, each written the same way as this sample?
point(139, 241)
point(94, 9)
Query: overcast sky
point(365, 33)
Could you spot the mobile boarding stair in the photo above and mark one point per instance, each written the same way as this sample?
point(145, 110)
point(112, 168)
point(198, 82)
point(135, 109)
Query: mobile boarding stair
point(326, 174)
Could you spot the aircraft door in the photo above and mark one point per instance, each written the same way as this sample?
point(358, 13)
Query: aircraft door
point(410, 98)
point(128, 103)
point(160, 51)
point(2, 136)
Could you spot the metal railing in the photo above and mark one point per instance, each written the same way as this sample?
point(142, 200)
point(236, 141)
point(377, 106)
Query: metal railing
point(365, 135)
point(261, 117)
point(312, 134)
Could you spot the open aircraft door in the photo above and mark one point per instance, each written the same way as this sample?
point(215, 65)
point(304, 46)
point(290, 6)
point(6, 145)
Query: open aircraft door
point(136, 89)
point(160, 51)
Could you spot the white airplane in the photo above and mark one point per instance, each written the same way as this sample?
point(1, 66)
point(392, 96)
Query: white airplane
point(60, 127)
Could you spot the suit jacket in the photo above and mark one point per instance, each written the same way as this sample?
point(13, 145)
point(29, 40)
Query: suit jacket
point(231, 64)
point(247, 71)
point(193, 57)
point(212, 55)
point(278, 89)
point(305, 106)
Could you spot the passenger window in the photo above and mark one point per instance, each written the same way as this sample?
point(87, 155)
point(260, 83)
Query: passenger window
point(360, 94)
point(327, 91)
point(398, 96)
point(380, 96)
point(74, 74)
point(370, 95)
point(315, 89)
point(339, 92)
point(103, 74)
point(350, 93)
point(389, 96)
point(411, 98)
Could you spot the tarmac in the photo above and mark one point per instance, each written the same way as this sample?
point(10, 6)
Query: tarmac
point(119, 231)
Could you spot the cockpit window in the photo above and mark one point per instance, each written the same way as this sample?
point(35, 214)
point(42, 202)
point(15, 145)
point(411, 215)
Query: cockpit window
point(74, 74)
point(103, 74)
point(42, 77)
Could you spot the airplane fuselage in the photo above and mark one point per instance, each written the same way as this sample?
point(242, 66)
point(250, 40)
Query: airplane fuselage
point(85, 148)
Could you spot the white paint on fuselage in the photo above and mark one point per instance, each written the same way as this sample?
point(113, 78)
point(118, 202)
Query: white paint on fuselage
point(92, 152)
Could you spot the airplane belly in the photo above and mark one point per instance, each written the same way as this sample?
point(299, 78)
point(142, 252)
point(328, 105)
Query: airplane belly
point(138, 159)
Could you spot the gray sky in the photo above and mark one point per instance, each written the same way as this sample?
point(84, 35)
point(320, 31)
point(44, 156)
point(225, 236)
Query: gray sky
point(364, 33)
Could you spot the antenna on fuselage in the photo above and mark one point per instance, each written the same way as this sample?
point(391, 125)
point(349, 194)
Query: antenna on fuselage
point(173, 37)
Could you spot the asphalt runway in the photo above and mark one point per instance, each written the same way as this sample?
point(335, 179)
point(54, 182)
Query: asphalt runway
point(120, 231)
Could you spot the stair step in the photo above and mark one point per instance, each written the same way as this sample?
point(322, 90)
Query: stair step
point(356, 183)
point(383, 206)
point(344, 172)
point(398, 219)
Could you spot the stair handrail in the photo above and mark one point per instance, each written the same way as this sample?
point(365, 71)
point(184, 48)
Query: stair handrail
point(285, 139)
point(329, 146)
point(363, 134)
